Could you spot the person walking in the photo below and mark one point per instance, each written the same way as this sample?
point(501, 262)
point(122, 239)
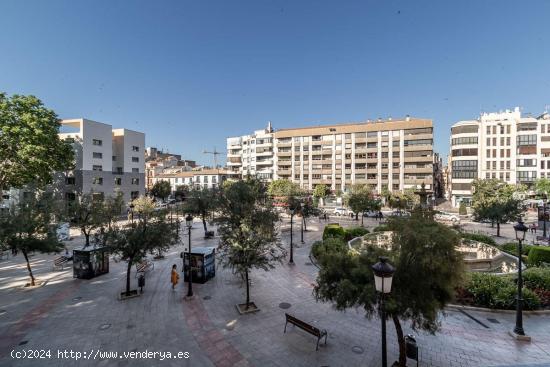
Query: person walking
point(174, 277)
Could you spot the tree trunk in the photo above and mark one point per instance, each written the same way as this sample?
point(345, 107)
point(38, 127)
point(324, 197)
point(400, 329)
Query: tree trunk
point(356, 216)
point(362, 216)
point(247, 289)
point(28, 266)
point(87, 236)
point(203, 217)
point(401, 340)
point(498, 228)
point(128, 271)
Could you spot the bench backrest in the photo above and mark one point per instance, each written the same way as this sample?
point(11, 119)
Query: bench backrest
point(303, 325)
point(60, 260)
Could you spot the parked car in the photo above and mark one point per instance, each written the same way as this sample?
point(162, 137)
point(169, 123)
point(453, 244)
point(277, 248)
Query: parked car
point(447, 217)
point(341, 211)
point(402, 213)
point(371, 214)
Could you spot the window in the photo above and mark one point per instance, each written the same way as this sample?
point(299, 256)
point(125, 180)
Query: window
point(507, 129)
point(488, 165)
point(494, 141)
point(494, 129)
point(526, 163)
point(464, 152)
point(418, 142)
point(488, 142)
point(507, 164)
point(97, 142)
point(114, 158)
point(527, 140)
point(508, 141)
point(468, 140)
point(135, 170)
point(97, 181)
point(135, 181)
point(134, 195)
point(488, 130)
point(464, 169)
point(494, 164)
point(70, 181)
point(372, 134)
point(97, 167)
point(135, 148)
point(488, 153)
point(135, 159)
point(118, 181)
point(464, 129)
point(427, 130)
point(97, 155)
point(502, 129)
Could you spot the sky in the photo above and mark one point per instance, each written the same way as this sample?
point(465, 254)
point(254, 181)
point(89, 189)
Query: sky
point(192, 73)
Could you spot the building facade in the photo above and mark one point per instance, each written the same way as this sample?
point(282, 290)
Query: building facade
point(158, 162)
point(393, 154)
point(108, 161)
point(208, 178)
point(501, 145)
point(252, 154)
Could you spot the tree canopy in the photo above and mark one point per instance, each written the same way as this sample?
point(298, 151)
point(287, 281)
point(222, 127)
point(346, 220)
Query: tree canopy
point(542, 186)
point(249, 238)
point(202, 202)
point(361, 199)
point(428, 268)
point(30, 148)
point(496, 201)
point(161, 189)
point(284, 188)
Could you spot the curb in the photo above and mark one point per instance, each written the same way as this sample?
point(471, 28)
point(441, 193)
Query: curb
point(493, 310)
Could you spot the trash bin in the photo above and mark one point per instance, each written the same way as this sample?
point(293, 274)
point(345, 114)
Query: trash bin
point(411, 348)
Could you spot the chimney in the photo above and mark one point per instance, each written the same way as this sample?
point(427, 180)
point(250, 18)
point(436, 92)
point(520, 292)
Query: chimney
point(379, 119)
point(389, 118)
point(407, 118)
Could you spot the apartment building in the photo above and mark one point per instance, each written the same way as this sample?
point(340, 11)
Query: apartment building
point(158, 162)
point(108, 160)
point(397, 154)
point(207, 178)
point(252, 154)
point(503, 145)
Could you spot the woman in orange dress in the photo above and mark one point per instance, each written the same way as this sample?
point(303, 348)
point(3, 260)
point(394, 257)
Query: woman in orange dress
point(174, 277)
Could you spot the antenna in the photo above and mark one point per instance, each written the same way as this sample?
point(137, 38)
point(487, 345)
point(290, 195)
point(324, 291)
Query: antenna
point(215, 153)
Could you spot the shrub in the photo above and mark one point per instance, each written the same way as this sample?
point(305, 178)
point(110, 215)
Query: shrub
point(478, 237)
point(537, 278)
point(351, 233)
point(539, 255)
point(462, 209)
point(334, 230)
point(381, 228)
point(512, 248)
point(327, 247)
point(505, 298)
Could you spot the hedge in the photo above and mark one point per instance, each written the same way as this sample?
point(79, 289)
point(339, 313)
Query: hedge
point(538, 255)
point(478, 237)
point(512, 248)
point(328, 246)
point(333, 230)
point(351, 233)
point(537, 278)
point(381, 228)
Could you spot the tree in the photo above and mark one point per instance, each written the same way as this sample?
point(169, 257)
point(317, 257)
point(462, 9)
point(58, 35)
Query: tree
point(542, 187)
point(496, 201)
point(112, 208)
point(30, 148)
point(308, 210)
point(361, 200)
point(201, 202)
point(181, 193)
point(89, 213)
point(249, 239)
point(29, 226)
point(428, 268)
point(320, 192)
point(161, 190)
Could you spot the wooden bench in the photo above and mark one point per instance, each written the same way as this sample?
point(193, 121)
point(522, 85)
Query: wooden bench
point(144, 266)
point(307, 328)
point(59, 262)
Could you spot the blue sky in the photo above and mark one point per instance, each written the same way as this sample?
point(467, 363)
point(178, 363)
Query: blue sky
point(191, 73)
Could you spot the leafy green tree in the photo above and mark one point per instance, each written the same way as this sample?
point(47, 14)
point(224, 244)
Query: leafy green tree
point(496, 201)
point(30, 148)
point(181, 193)
point(202, 202)
point(88, 213)
point(542, 187)
point(249, 239)
point(308, 210)
point(320, 192)
point(30, 226)
point(361, 200)
point(112, 208)
point(428, 268)
point(283, 188)
point(161, 190)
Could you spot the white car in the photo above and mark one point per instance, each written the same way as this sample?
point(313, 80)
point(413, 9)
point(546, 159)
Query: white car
point(447, 217)
point(341, 211)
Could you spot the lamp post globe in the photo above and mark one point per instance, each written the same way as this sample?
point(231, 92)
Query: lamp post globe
point(189, 221)
point(521, 229)
point(383, 276)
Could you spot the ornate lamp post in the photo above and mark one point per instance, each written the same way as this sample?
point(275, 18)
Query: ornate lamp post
point(291, 261)
point(189, 224)
point(521, 230)
point(383, 274)
point(544, 201)
point(302, 221)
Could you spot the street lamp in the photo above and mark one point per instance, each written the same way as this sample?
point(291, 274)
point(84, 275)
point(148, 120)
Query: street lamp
point(383, 273)
point(303, 219)
point(189, 223)
point(544, 200)
point(521, 229)
point(291, 261)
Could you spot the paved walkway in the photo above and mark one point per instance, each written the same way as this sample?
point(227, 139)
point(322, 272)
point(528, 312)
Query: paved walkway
point(85, 316)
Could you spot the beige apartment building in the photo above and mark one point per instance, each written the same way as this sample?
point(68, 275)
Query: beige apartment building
point(397, 154)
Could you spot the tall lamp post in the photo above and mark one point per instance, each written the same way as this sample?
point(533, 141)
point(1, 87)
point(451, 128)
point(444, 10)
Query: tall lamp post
point(189, 223)
point(383, 273)
point(291, 261)
point(302, 221)
point(521, 229)
point(544, 200)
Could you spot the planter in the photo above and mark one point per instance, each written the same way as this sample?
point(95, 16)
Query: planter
point(252, 308)
point(132, 294)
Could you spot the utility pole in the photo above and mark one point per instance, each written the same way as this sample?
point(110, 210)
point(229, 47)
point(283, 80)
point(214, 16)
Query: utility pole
point(215, 153)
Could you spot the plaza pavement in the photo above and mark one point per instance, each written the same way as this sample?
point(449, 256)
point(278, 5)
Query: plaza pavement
point(85, 316)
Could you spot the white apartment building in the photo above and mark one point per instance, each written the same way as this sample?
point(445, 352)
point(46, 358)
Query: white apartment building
point(252, 154)
point(108, 160)
point(208, 178)
point(501, 145)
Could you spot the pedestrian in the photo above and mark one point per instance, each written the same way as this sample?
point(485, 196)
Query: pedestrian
point(535, 227)
point(380, 215)
point(174, 277)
